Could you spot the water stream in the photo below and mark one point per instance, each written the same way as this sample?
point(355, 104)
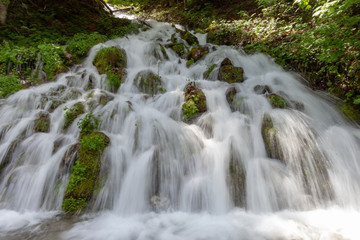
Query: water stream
point(313, 193)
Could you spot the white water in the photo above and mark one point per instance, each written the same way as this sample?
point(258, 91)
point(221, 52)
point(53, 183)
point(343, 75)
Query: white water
point(313, 194)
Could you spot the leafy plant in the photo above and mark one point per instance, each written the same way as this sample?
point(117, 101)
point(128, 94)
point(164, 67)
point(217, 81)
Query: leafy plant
point(9, 84)
point(88, 124)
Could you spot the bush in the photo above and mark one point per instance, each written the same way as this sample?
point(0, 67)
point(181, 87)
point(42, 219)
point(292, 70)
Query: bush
point(9, 84)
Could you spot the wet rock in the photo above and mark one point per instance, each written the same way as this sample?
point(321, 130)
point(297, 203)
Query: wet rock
point(98, 97)
point(9, 154)
point(72, 113)
point(159, 203)
point(208, 73)
point(230, 94)
point(262, 89)
point(237, 182)
point(85, 172)
point(70, 156)
point(163, 51)
point(42, 122)
point(297, 105)
point(195, 101)
point(149, 82)
point(276, 101)
point(229, 73)
point(269, 134)
point(197, 52)
point(112, 62)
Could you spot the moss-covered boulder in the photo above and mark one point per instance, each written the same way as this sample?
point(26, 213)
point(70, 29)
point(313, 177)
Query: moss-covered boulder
point(42, 122)
point(276, 101)
point(179, 48)
point(229, 73)
point(195, 101)
point(112, 62)
point(85, 172)
point(195, 54)
point(149, 82)
point(209, 72)
point(189, 38)
point(72, 113)
point(269, 134)
point(237, 182)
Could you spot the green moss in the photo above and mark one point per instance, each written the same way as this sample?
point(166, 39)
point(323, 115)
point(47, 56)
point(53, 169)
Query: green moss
point(72, 113)
point(190, 62)
point(269, 134)
point(276, 101)
point(88, 124)
point(189, 38)
point(81, 43)
point(112, 62)
point(85, 172)
point(179, 48)
point(42, 123)
point(207, 73)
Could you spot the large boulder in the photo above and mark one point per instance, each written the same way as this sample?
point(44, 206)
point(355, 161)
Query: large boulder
point(229, 73)
point(112, 62)
point(195, 101)
point(149, 82)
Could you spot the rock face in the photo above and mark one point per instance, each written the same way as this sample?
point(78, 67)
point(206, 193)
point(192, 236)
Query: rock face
point(112, 62)
point(195, 101)
point(42, 123)
point(229, 73)
point(85, 172)
point(237, 182)
point(271, 142)
point(149, 82)
point(196, 53)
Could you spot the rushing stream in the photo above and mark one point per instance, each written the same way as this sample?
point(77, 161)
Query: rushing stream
point(165, 178)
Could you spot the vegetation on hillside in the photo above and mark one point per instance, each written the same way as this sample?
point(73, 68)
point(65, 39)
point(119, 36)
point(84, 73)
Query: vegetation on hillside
point(320, 39)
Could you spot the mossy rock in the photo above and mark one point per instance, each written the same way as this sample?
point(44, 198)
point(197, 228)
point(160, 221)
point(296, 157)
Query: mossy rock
point(230, 95)
point(269, 134)
point(42, 122)
point(85, 172)
point(229, 73)
point(262, 89)
point(149, 82)
point(276, 101)
point(197, 52)
point(178, 48)
point(189, 38)
point(163, 51)
point(195, 101)
point(72, 113)
point(112, 62)
point(209, 71)
point(237, 182)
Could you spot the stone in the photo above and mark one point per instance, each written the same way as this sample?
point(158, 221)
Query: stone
point(229, 73)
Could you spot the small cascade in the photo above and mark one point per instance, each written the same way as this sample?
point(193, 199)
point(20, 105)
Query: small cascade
point(204, 143)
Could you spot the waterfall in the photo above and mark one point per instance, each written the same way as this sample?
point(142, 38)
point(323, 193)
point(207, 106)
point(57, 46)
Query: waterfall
point(241, 170)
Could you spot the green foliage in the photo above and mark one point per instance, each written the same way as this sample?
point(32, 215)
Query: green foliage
point(72, 113)
point(9, 84)
point(189, 108)
point(88, 124)
point(81, 43)
point(190, 62)
point(52, 56)
point(73, 205)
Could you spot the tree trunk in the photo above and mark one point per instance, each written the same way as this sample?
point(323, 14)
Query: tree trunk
point(3, 11)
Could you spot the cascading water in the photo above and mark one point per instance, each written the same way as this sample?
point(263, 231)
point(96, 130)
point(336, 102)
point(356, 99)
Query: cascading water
point(210, 177)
